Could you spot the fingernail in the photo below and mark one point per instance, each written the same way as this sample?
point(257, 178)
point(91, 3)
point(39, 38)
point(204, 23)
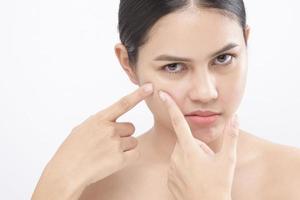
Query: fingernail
point(162, 95)
point(148, 87)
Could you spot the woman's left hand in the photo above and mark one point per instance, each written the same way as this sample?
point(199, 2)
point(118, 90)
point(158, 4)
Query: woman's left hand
point(195, 171)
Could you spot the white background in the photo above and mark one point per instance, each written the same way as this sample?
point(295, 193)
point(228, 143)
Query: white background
point(57, 67)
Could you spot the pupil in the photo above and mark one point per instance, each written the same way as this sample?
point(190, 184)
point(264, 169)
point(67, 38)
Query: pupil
point(222, 58)
point(172, 66)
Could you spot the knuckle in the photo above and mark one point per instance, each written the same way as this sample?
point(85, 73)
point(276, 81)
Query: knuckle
point(97, 117)
point(128, 129)
point(133, 142)
point(140, 94)
point(131, 128)
point(124, 102)
point(170, 173)
point(173, 160)
point(128, 143)
point(169, 184)
point(117, 144)
point(116, 147)
point(171, 181)
point(176, 121)
point(172, 167)
point(100, 115)
point(111, 130)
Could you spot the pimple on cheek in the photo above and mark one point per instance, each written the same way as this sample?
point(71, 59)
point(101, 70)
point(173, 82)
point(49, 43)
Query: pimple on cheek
point(175, 94)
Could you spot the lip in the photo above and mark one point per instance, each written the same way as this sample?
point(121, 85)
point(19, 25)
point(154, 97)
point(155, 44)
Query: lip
point(202, 113)
point(203, 117)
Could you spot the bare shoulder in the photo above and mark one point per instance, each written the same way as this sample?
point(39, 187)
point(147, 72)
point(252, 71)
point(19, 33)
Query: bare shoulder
point(286, 158)
point(272, 152)
point(282, 165)
point(275, 167)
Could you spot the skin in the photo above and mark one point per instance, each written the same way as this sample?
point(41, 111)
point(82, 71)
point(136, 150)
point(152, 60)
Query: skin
point(237, 165)
point(191, 156)
point(197, 33)
point(201, 84)
point(74, 167)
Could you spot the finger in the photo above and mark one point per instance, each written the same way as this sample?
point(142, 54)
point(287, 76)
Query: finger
point(230, 139)
point(124, 129)
point(126, 103)
point(176, 153)
point(205, 147)
point(180, 125)
point(128, 143)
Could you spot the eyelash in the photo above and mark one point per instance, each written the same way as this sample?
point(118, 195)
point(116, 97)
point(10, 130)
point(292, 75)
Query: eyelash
point(173, 73)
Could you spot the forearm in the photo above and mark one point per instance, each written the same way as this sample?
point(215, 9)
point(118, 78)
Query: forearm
point(53, 185)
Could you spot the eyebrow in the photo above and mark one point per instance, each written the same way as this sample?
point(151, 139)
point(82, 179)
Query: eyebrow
point(165, 57)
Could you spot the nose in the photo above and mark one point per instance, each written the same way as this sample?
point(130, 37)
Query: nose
point(203, 87)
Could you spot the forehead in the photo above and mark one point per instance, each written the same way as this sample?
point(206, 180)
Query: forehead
point(193, 32)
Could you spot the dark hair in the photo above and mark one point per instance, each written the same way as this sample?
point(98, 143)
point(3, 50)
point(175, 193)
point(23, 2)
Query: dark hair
point(136, 17)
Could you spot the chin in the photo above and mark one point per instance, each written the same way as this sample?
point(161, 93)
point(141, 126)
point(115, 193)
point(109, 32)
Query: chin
point(207, 134)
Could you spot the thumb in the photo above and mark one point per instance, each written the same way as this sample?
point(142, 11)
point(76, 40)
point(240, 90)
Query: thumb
point(230, 139)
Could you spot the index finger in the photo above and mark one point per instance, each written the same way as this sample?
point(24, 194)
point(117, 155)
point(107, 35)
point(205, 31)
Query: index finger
point(181, 127)
point(126, 103)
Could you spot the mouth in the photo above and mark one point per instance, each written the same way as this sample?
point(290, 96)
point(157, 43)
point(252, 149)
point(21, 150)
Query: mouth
point(202, 117)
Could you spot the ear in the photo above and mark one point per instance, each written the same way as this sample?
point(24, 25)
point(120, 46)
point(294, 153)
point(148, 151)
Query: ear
point(247, 33)
point(121, 53)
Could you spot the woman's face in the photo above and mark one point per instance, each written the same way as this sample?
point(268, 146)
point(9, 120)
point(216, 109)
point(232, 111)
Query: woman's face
point(210, 73)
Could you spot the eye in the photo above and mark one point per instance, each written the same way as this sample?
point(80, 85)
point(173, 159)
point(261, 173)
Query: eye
point(173, 68)
point(224, 59)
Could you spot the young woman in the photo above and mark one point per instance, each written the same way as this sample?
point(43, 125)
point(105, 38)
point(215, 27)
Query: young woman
point(190, 59)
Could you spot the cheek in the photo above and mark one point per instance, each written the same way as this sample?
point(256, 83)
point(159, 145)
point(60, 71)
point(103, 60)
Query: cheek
point(231, 91)
point(155, 104)
point(155, 101)
point(173, 88)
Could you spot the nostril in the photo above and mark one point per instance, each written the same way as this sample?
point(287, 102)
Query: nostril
point(203, 94)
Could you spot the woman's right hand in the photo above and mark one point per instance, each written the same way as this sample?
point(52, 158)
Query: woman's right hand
point(99, 146)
